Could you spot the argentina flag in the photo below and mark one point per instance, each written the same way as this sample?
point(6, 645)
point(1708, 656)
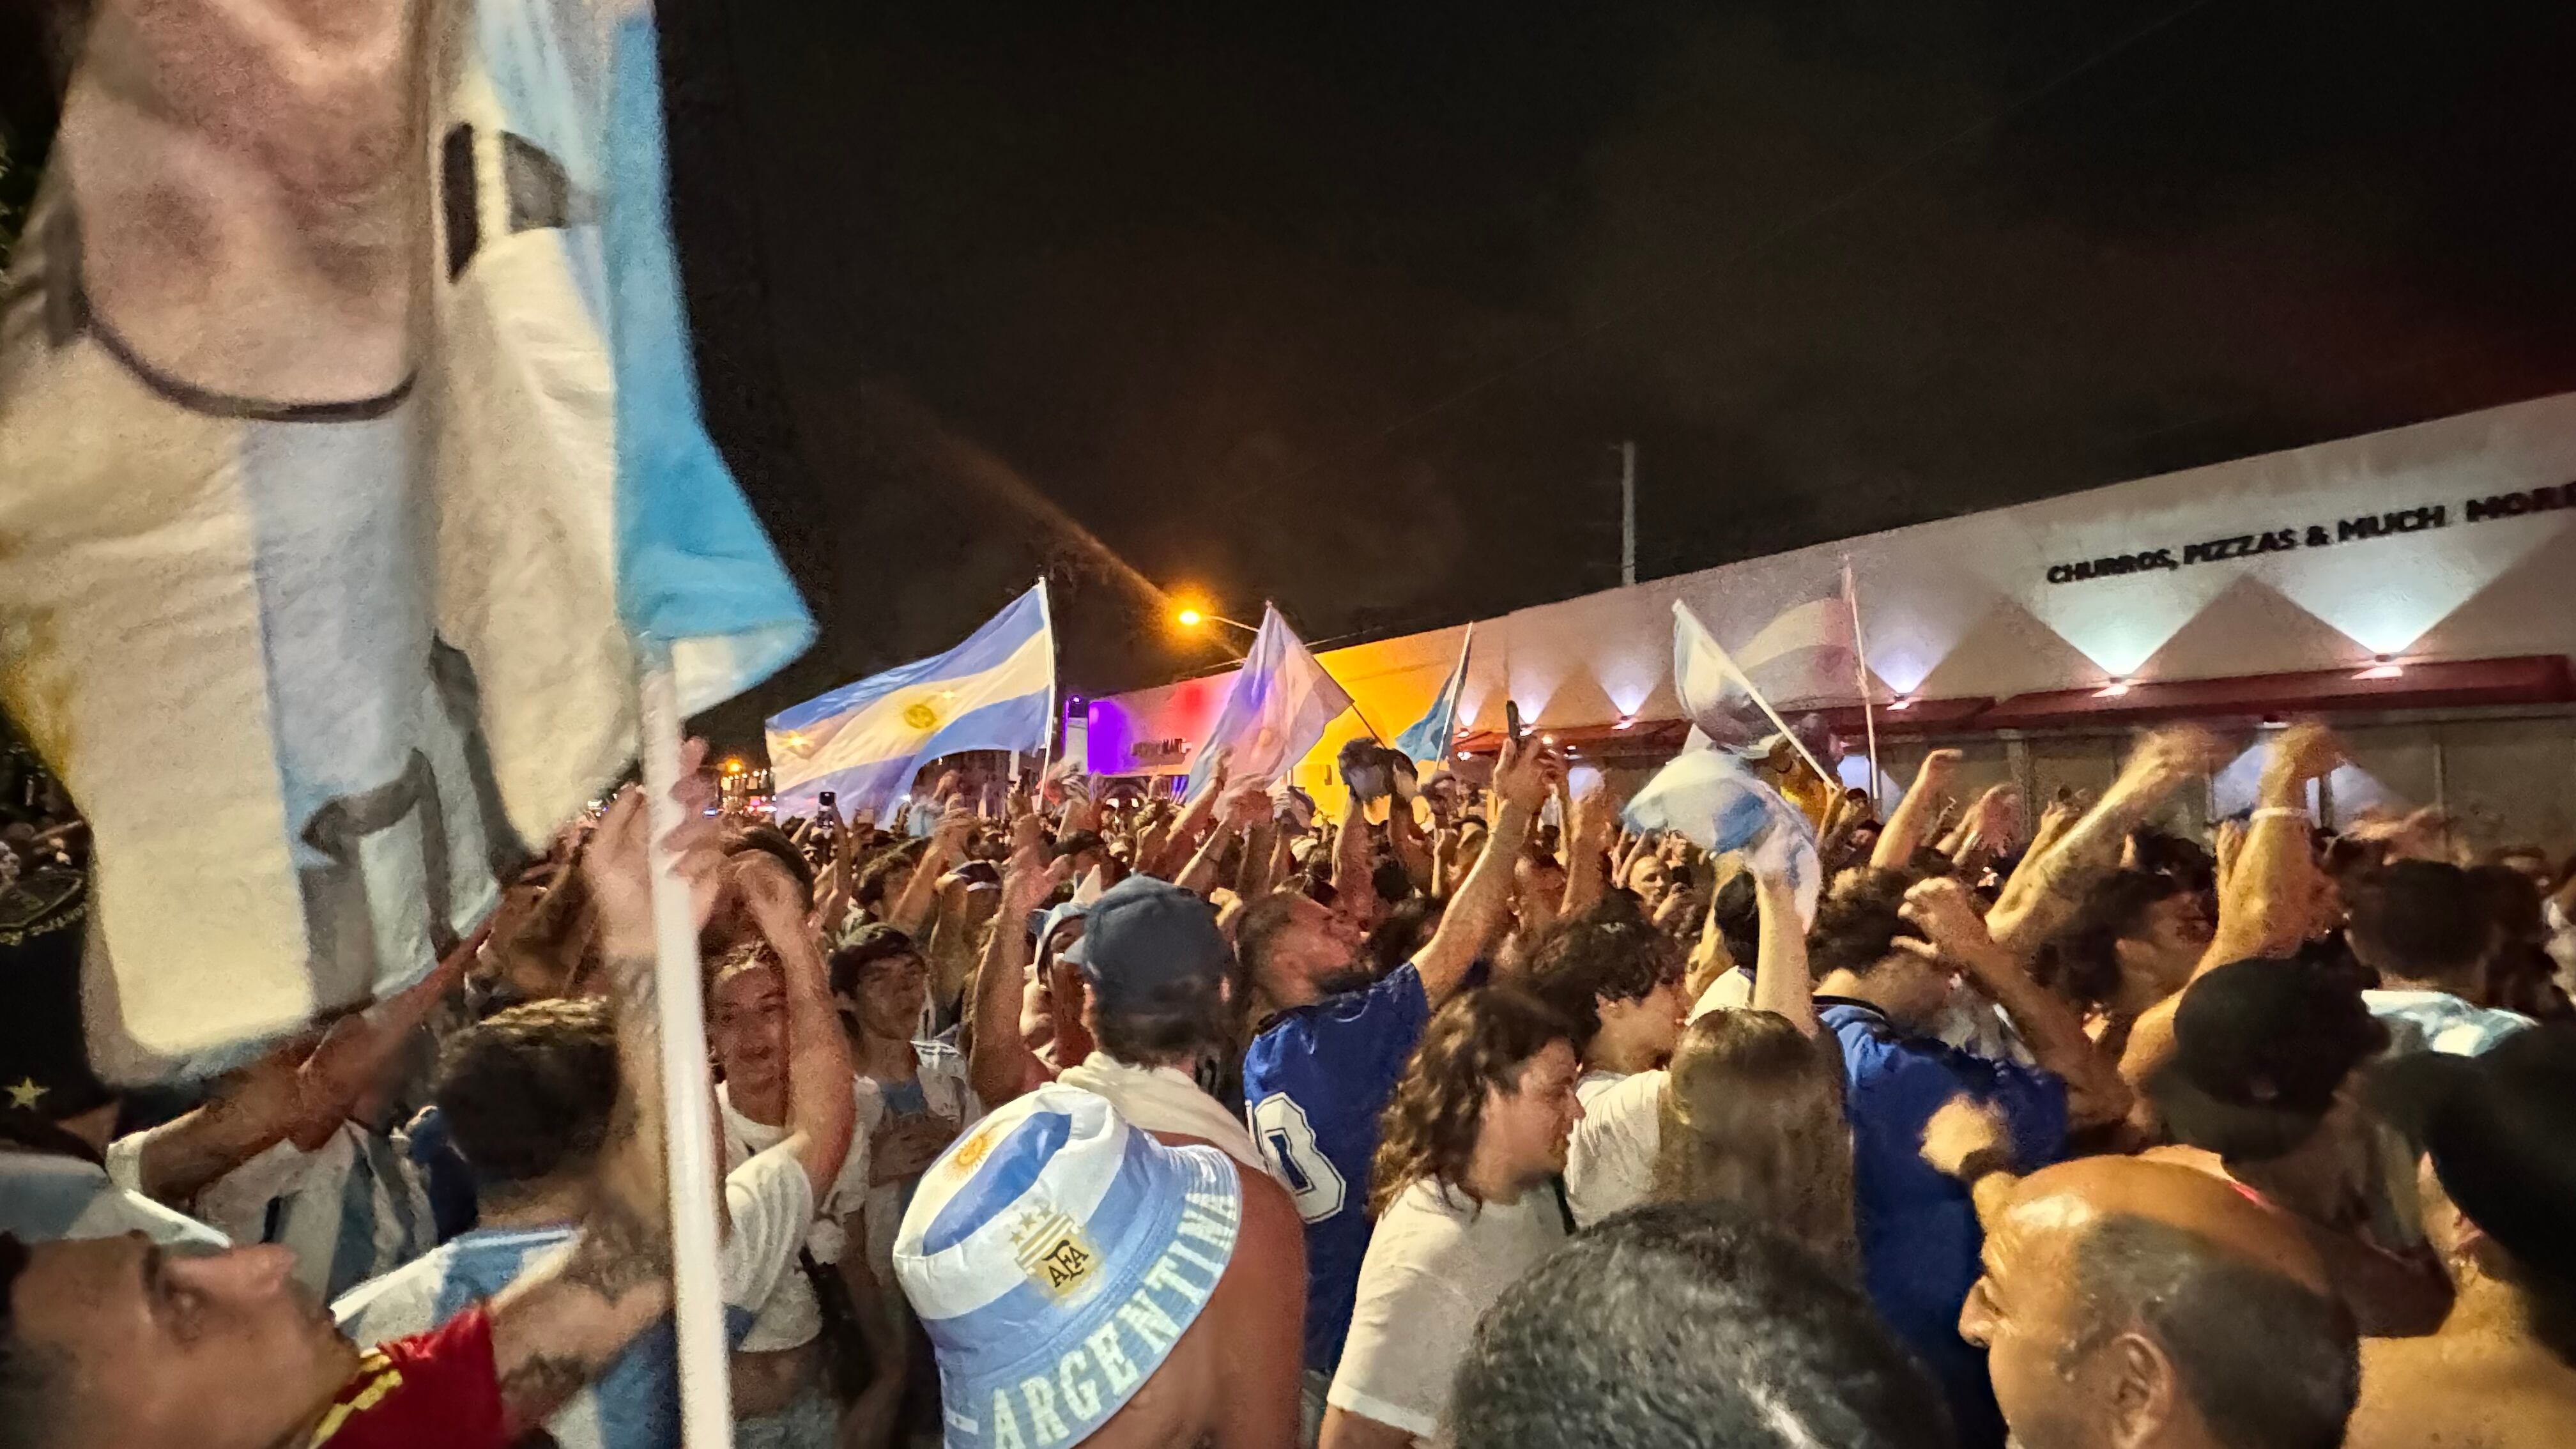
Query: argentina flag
point(1803, 656)
point(864, 742)
point(1427, 739)
point(352, 446)
point(1713, 799)
point(1279, 705)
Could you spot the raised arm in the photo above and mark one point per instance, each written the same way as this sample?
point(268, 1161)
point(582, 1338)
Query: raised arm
point(1353, 886)
point(1589, 825)
point(1245, 802)
point(2268, 902)
point(845, 842)
point(1404, 835)
point(1000, 1066)
point(560, 1323)
point(1912, 819)
point(952, 950)
point(2049, 1027)
point(1254, 878)
point(911, 911)
point(2091, 847)
point(1781, 981)
point(247, 1114)
point(1989, 831)
point(1521, 781)
point(2055, 820)
point(819, 1106)
point(1174, 856)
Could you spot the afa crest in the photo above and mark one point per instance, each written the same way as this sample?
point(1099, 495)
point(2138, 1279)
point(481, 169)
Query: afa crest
point(1055, 1253)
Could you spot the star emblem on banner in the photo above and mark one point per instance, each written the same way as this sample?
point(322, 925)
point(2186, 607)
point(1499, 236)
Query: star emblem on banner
point(25, 1092)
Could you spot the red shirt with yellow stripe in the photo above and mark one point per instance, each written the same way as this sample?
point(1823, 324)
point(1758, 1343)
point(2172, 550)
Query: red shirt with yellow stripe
point(434, 1390)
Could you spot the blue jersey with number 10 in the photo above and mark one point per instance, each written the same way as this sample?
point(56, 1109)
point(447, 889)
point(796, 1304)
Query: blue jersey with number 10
point(1314, 1083)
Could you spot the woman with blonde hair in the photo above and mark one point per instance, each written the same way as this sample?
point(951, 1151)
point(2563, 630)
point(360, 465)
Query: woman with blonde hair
point(1753, 1115)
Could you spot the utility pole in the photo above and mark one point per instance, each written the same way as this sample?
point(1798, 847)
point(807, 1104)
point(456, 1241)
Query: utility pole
point(1627, 514)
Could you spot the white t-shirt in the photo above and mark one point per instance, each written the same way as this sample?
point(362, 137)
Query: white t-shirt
point(1610, 1163)
point(788, 1315)
point(1731, 991)
point(1434, 1265)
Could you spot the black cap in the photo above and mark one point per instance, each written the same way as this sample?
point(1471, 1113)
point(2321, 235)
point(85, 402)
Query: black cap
point(2260, 1049)
point(1143, 934)
point(2501, 1129)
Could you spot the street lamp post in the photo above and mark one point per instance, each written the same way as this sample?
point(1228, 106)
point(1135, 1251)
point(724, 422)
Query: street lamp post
point(1192, 618)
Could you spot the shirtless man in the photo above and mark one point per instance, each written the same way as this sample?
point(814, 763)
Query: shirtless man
point(1088, 1283)
point(2498, 1184)
point(2140, 1305)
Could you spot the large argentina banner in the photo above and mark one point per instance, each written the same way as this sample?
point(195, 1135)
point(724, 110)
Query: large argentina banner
point(350, 441)
point(864, 742)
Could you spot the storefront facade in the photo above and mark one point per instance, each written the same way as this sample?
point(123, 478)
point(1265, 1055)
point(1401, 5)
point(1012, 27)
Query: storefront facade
point(2411, 585)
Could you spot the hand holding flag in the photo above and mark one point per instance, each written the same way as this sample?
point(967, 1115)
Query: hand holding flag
point(1712, 799)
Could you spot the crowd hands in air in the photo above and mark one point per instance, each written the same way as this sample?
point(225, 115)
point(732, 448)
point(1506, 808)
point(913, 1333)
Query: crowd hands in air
point(1052, 1118)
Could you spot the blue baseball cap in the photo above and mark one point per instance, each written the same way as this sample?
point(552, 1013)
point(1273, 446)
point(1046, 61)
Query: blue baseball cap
point(1144, 933)
point(1056, 1254)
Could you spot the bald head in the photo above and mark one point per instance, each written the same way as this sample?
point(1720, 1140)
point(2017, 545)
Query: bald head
point(2144, 1304)
point(2079, 1194)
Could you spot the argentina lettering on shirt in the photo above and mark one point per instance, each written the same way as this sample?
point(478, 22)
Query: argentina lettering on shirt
point(865, 741)
point(1105, 1364)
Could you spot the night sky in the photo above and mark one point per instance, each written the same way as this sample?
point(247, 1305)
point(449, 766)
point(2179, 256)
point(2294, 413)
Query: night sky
point(1346, 306)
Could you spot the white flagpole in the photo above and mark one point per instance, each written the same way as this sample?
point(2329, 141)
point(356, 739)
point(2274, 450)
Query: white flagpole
point(1457, 694)
point(1860, 652)
point(706, 1406)
point(1055, 705)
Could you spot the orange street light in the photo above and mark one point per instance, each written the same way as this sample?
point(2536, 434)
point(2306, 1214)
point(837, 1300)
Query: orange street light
point(1192, 618)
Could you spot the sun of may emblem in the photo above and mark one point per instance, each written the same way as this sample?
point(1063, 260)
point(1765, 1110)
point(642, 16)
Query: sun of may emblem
point(919, 715)
point(970, 1154)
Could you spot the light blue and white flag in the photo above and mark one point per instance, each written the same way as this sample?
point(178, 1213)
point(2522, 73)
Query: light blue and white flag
point(1427, 739)
point(864, 742)
point(1714, 800)
point(330, 540)
point(1280, 705)
point(1721, 697)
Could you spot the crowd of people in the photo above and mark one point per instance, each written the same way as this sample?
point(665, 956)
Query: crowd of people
point(1051, 1116)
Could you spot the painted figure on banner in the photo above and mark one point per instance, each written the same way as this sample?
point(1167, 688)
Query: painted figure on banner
point(318, 421)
